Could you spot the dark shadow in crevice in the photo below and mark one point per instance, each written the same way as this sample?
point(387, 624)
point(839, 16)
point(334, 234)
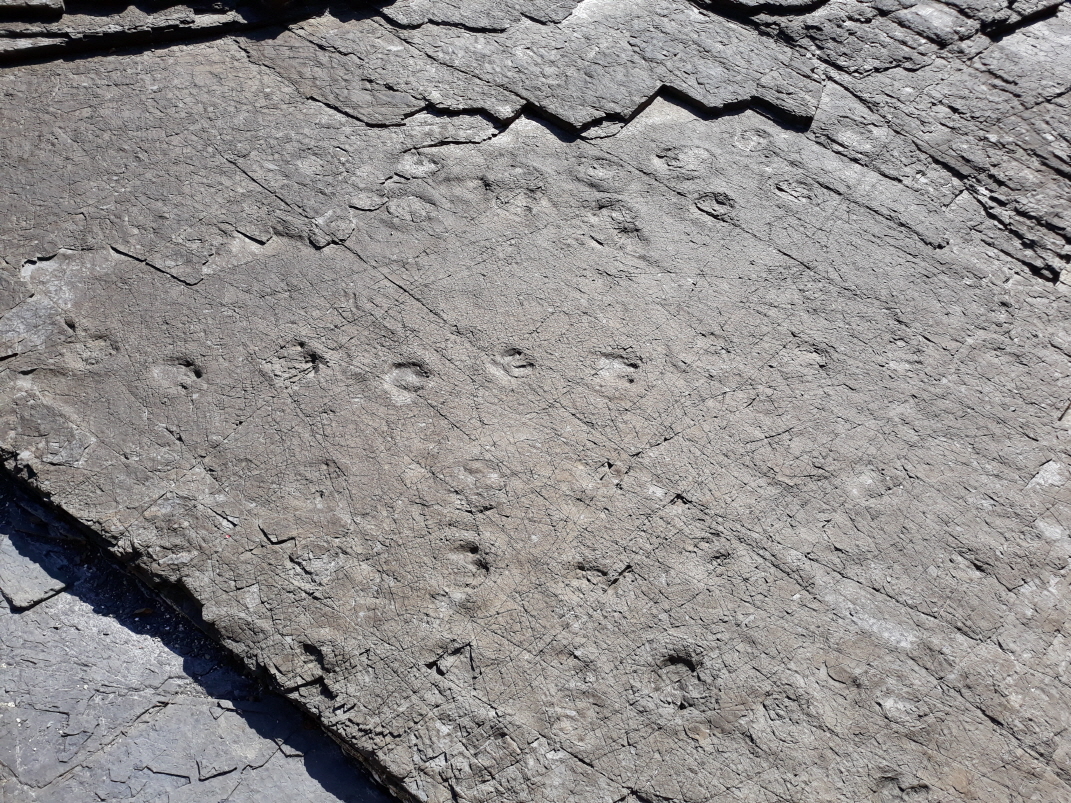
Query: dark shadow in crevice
point(743, 12)
point(997, 31)
point(30, 14)
point(783, 119)
point(112, 8)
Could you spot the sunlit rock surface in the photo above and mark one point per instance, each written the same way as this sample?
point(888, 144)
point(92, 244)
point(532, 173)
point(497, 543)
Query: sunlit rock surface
point(593, 402)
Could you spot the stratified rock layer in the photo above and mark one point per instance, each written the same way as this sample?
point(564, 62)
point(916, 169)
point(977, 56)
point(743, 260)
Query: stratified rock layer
point(595, 404)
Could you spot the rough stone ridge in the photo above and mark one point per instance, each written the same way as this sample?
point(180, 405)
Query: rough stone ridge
point(600, 401)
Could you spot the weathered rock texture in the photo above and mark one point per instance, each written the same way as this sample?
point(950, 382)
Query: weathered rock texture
point(107, 696)
point(594, 402)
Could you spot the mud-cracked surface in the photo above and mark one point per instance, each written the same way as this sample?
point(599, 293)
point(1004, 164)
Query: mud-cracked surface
point(610, 401)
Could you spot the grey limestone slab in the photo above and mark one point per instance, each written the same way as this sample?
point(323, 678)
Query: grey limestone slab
point(592, 401)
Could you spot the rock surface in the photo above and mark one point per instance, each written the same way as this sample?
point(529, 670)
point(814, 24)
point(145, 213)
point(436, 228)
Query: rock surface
point(106, 698)
point(601, 401)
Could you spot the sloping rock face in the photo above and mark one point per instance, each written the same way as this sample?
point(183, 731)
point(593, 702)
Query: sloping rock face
point(106, 695)
point(593, 402)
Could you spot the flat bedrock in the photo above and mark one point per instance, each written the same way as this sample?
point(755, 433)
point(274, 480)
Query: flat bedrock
point(610, 401)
